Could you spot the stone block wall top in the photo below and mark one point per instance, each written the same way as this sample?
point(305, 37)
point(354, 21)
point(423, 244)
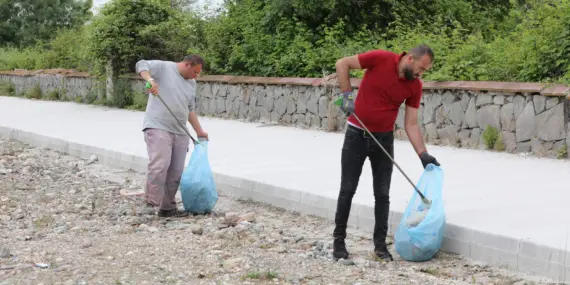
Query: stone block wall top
point(556, 90)
point(506, 88)
point(489, 86)
point(55, 71)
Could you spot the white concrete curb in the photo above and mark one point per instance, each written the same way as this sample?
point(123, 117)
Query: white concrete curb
point(516, 254)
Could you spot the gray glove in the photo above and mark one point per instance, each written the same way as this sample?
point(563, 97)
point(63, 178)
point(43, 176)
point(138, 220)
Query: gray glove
point(426, 159)
point(347, 103)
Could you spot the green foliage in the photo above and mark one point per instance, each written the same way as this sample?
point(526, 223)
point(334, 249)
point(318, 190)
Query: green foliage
point(7, 88)
point(491, 136)
point(53, 95)
point(34, 92)
point(123, 33)
point(66, 50)
point(24, 22)
point(250, 40)
point(563, 152)
point(473, 40)
point(122, 94)
point(499, 144)
point(27, 58)
point(139, 101)
point(533, 47)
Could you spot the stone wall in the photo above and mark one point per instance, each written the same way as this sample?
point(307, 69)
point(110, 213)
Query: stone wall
point(528, 117)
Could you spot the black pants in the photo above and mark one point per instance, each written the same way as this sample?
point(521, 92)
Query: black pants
point(358, 145)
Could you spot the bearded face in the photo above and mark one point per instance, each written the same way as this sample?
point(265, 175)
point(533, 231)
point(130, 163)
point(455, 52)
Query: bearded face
point(415, 67)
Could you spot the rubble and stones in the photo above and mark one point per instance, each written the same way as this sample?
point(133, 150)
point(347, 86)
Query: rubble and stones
point(66, 220)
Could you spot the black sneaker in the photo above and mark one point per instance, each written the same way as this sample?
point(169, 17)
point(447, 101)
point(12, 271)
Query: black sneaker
point(172, 213)
point(147, 209)
point(339, 249)
point(383, 254)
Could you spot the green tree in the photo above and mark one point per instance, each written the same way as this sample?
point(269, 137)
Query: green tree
point(117, 39)
point(24, 22)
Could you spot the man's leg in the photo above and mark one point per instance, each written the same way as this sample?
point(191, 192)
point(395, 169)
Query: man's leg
point(382, 168)
point(159, 148)
point(352, 159)
point(173, 176)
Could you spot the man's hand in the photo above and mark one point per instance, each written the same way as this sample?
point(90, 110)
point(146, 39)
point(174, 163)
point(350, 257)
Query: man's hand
point(193, 119)
point(202, 134)
point(347, 103)
point(154, 87)
point(426, 159)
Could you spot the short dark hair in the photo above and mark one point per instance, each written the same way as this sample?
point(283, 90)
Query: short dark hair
point(194, 59)
point(422, 50)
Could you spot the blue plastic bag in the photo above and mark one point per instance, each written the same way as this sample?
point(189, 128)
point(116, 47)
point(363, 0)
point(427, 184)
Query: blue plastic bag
point(197, 187)
point(420, 233)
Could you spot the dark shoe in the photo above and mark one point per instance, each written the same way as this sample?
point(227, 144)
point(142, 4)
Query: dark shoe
point(339, 249)
point(383, 254)
point(147, 209)
point(172, 213)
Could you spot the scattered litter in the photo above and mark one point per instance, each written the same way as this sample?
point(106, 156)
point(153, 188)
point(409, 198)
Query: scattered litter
point(416, 217)
point(4, 252)
point(125, 192)
point(93, 159)
point(41, 265)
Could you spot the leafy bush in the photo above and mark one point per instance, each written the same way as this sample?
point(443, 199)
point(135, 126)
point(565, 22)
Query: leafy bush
point(34, 92)
point(490, 137)
point(473, 40)
point(7, 88)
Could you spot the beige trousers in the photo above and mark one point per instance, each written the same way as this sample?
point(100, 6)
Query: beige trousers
point(166, 154)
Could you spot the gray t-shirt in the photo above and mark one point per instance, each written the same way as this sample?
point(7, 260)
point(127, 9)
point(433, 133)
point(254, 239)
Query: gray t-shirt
point(178, 93)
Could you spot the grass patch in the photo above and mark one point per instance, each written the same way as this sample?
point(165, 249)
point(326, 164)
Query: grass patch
point(123, 96)
point(490, 136)
point(53, 95)
point(139, 102)
point(34, 92)
point(43, 222)
point(437, 272)
point(499, 145)
point(7, 89)
point(563, 152)
point(268, 275)
point(91, 97)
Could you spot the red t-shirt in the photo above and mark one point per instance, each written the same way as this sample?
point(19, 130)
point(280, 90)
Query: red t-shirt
point(382, 91)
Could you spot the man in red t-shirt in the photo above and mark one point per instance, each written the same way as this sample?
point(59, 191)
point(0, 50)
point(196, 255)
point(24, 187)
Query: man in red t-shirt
point(390, 79)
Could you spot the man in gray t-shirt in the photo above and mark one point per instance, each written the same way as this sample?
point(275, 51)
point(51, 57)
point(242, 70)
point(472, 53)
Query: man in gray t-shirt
point(167, 142)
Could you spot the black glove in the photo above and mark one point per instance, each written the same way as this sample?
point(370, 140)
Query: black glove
point(347, 103)
point(426, 159)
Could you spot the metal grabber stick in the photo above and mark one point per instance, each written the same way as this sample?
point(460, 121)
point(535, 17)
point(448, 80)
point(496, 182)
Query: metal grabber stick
point(148, 85)
point(424, 199)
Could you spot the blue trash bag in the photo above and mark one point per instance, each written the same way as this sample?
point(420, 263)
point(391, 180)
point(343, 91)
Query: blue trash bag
point(420, 233)
point(197, 187)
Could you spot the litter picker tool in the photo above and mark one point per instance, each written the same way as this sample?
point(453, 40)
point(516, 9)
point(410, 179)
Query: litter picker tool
point(147, 86)
point(425, 200)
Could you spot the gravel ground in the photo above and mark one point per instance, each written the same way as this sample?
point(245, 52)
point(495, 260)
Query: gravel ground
point(65, 220)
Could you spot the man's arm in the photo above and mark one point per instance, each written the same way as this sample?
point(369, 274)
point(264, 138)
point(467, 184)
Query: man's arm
point(413, 129)
point(193, 119)
point(343, 67)
point(415, 136)
point(366, 60)
point(148, 69)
